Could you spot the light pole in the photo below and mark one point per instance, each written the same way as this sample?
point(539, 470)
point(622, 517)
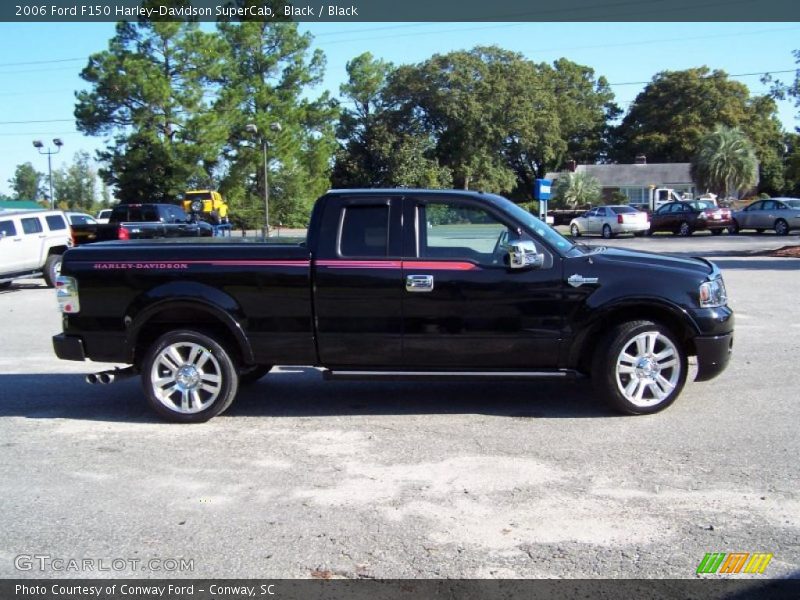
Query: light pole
point(40, 147)
point(252, 128)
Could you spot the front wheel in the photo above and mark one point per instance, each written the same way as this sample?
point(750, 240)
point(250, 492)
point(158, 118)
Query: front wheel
point(188, 377)
point(781, 227)
point(607, 233)
point(734, 228)
point(684, 230)
point(639, 368)
point(574, 231)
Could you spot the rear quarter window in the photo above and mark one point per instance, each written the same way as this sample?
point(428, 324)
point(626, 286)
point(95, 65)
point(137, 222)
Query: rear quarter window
point(55, 222)
point(364, 231)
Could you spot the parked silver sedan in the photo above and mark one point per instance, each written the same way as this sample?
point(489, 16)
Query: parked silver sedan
point(780, 214)
point(608, 221)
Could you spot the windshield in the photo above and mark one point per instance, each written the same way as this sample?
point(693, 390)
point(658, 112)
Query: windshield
point(792, 203)
point(547, 233)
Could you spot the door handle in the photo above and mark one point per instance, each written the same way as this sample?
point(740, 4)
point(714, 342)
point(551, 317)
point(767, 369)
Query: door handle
point(419, 283)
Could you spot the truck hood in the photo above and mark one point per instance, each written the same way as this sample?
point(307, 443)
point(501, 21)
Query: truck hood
point(693, 266)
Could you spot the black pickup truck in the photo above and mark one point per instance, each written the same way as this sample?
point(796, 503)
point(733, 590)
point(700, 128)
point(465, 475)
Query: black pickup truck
point(142, 221)
point(390, 284)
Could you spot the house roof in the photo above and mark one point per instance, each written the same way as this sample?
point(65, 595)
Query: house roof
point(19, 205)
point(616, 175)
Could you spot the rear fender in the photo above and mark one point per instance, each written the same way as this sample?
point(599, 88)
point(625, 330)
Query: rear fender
point(191, 297)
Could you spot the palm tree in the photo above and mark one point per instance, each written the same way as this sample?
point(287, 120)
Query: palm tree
point(576, 189)
point(725, 163)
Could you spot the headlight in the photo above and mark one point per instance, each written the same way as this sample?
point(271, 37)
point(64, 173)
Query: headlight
point(713, 294)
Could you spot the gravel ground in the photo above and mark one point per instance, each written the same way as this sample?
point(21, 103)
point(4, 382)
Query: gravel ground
point(305, 478)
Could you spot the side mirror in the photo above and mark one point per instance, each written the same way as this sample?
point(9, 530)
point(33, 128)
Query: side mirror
point(2, 235)
point(522, 254)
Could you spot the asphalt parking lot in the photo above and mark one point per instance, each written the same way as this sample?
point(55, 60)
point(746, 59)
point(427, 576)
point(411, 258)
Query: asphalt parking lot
point(305, 478)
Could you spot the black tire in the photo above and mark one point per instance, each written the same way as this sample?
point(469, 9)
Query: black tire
point(607, 233)
point(52, 268)
point(639, 233)
point(249, 375)
point(649, 232)
point(716, 232)
point(781, 227)
point(684, 230)
point(759, 231)
point(734, 228)
point(5, 285)
point(612, 383)
point(574, 231)
point(213, 362)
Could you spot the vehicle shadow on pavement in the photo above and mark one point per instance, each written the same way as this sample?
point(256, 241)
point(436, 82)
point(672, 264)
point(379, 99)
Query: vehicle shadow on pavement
point(301, 392)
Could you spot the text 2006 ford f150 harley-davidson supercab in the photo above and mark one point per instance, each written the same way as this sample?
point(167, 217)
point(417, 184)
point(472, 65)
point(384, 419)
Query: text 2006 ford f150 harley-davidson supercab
point(394, 284)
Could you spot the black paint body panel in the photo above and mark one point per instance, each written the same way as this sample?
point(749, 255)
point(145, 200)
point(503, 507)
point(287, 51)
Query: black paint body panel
point(309, 303)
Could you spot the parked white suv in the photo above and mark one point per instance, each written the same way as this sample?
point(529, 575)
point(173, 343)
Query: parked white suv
point(31, 244)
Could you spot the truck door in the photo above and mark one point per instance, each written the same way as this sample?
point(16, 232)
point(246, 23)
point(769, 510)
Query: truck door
point(33, 237)
point(358, 282)
point(463, 308)
point(12, 250)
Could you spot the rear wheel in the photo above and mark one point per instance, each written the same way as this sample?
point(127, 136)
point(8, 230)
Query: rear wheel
point(574, 231)
point(52, 269)
point(781, 227)
point(188, 377)
point(639, 368)
point(607, 233)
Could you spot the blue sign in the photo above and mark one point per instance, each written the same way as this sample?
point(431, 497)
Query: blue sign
point(541, 189)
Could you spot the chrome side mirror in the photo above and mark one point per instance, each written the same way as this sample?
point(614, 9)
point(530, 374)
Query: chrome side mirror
point(522, 254)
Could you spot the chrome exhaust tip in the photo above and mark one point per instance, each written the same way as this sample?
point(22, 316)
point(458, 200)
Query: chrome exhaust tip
point(91, 379)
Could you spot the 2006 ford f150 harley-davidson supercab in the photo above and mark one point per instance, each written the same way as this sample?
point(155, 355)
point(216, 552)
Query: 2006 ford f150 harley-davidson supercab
point(394, 284)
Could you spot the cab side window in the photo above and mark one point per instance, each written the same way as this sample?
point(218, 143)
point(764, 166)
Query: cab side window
point(55, 222)
point(7, 228)
point(31, 225)
point(364, 231)
point(461, 231)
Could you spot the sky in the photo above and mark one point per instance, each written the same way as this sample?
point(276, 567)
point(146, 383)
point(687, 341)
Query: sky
point(40, 63)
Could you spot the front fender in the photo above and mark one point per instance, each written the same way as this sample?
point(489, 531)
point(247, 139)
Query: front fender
point(187, 295)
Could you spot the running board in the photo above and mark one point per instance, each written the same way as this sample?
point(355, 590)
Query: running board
point(348, 375)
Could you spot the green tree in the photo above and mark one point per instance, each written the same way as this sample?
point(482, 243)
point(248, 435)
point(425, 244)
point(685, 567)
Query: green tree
point(268, 72)
point(146, 92)
point(575, 189)
point(75, 185)
point(486, 118)
point(380, 148)
point(26, 183)
point(677, 109)
point(725, 164)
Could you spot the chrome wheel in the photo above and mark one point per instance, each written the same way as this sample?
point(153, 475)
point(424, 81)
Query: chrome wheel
point(574, 231)
point(648, 369)
point(186, 377)
point(781, 228)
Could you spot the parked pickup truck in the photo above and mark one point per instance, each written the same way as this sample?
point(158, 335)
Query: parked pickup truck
point(141, 221)
point(394, 284)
